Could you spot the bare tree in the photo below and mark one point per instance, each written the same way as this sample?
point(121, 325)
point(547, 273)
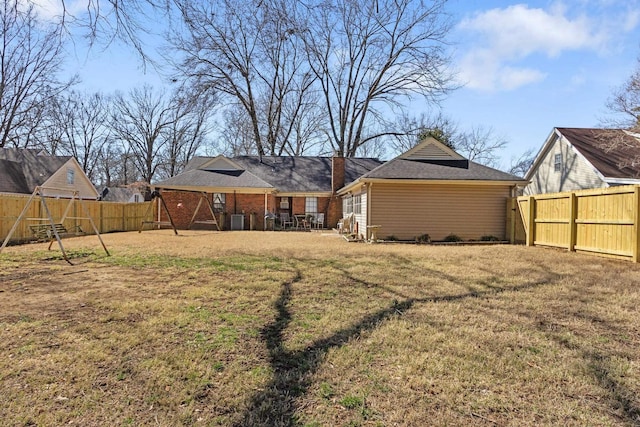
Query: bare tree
point(371, 55)
point(625, 102)
point(187, 132)
point(250, 52)
point(521, 165)
point(140, 120)
point(411, 130)
point(481, 145)
point(160, 133)
point(236, 134)
point(31, 54)
point(78, 126)
point(364, 58)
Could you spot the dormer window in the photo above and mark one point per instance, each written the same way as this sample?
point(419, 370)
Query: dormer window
point(557, 162)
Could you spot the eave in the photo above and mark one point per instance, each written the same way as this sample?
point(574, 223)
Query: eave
point(201, 189)
point(364, 181)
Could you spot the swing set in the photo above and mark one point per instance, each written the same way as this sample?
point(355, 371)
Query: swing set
point(46, 228)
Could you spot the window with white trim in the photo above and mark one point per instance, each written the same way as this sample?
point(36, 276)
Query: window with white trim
point(311, 205)
point(357, 204)
point(557, 162)
point(347, 205)
point(219, 201)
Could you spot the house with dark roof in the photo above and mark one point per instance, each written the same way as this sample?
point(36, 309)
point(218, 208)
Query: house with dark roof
point(123, 194)
point(583, 158)
point(430, 189)
point(22, 170)
point(257, 187)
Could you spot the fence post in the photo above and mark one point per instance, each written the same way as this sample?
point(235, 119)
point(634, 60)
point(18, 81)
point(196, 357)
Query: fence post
point(636, 226)
point(101, 222)
point(573, 202)
point(531, 228)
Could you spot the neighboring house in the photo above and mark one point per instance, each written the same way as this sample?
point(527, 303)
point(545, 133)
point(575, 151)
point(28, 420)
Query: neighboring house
point(246, 185)
point(122, 195)
point(22, 170)
point(577, 158)
point(431, 190)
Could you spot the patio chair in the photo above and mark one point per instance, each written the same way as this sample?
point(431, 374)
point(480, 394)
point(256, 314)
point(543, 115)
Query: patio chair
point(319, 220)
point(285, 220)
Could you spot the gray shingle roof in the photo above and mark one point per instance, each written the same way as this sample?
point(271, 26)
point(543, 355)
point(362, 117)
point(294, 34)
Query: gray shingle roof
point(302, 173)
point(289, 174)
point(399, 168)
point(214, 179)
point(21, 170)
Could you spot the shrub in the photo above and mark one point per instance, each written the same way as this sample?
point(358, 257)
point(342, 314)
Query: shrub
point(489, 238)
point(453, 238)
point(423, 238)
point(392, 238)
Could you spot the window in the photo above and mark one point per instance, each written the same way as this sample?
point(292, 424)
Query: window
point(347, 205)
point(557, 162)
point(357, 204)
point(284, 203)
point(219, 200)
point(71, 174)
point(311, 205)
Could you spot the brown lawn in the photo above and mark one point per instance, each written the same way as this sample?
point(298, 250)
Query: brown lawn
point(268, 329)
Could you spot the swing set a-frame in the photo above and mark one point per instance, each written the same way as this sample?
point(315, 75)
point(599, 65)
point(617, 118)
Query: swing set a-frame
point(46, 228)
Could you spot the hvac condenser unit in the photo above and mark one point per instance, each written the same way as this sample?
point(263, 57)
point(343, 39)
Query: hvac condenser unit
point(237, 222)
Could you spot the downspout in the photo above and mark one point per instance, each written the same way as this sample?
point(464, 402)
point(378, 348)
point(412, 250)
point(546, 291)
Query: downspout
point(368, 216)
point(266, 210)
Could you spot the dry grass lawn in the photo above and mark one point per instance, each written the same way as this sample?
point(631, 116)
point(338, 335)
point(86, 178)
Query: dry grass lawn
point(285, 329)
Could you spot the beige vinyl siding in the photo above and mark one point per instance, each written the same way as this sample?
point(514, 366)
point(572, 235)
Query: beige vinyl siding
point(406, 211)
point(58, 182)
point(576, 172)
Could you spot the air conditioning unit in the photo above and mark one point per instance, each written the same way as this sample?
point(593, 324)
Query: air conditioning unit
point(284, 204)
point(237, 222)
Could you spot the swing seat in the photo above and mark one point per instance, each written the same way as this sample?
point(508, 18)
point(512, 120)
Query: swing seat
point(45, 231)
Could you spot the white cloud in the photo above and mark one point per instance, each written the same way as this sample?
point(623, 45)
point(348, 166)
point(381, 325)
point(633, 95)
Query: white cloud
point(54, 9)
point(504, 38)
point(518, 31)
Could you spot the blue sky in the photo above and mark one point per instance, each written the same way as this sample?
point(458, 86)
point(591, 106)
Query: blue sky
point(526, 66)
point(531, 66)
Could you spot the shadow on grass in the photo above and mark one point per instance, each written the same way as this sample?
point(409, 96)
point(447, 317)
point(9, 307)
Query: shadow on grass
point(275, 405)
point(622, 401)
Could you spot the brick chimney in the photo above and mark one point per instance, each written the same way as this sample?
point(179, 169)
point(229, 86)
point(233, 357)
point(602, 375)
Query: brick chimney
point(337, 173)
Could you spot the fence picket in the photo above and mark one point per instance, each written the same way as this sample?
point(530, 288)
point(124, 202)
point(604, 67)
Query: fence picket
point(108, 216)
point(603, 221)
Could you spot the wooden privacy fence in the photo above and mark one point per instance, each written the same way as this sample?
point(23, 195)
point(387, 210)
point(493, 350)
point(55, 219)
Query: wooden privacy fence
point(107, 216)
point(603, 222)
